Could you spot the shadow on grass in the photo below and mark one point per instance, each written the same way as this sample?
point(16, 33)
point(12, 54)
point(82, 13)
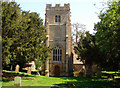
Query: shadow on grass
point(10, 76)
point(82, 82)
point(12, 79)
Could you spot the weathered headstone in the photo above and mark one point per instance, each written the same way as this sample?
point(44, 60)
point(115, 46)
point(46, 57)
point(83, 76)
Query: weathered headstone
point(32, 66)
point(29, 70)
point(17, 68)
point(94, 68)
point(17, 81)
point(47, 73)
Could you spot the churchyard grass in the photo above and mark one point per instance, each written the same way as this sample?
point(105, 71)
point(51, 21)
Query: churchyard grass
point(66, 82)
point(62, 81)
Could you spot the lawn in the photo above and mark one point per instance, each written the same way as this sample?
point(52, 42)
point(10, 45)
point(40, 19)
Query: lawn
point(64, 82)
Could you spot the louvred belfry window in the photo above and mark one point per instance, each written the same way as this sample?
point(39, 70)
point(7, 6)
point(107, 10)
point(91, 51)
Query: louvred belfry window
point(57, 18)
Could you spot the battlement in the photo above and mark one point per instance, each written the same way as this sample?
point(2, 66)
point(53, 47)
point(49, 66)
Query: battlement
point(58, 7)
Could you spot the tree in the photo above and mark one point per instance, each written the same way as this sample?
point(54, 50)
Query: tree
point(23, 36)
point(87, 49)
point(10, 17)
point(88, 52)
point(76, 32)
point(108, 35)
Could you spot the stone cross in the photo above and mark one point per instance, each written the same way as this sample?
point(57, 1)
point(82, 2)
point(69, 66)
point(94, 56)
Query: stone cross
point(17, 68)
point(17, 81)
point(29, 70)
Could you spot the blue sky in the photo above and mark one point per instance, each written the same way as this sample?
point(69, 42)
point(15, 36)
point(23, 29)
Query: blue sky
point(82, 11)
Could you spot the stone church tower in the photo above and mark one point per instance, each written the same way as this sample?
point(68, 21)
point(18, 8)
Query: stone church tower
point(58, 28)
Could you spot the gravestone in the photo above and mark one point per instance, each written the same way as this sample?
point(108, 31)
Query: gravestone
point(32, 65)
point(29, 70)
point(17, 81)
point(17, 68)
point(47, 73)
point(94, 68)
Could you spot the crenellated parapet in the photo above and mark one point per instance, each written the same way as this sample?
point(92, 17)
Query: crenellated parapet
point(58, 7)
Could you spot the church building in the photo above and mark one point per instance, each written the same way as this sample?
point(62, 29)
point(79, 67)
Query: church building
point(58, 28)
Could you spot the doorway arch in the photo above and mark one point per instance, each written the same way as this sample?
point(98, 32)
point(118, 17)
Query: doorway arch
point(56, 71)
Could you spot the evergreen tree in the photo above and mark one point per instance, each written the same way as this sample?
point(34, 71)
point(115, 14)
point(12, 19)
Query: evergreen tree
point(89, 53)
point(87, 49)
point(23, 36)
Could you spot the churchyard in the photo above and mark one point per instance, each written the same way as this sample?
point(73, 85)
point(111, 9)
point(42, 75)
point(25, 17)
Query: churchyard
point(24, 40)
point(28, 78)
point(8, 79)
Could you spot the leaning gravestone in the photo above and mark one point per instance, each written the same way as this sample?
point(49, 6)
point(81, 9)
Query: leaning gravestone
point(29, 70)
point(17, 81)
point(17, 68)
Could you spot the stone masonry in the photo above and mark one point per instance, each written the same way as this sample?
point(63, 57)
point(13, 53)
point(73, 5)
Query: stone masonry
point(58, 23)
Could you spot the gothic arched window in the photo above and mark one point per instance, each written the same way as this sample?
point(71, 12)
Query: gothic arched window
point(57, 53)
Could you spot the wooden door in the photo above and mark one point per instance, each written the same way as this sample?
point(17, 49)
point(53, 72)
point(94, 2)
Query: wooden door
point(57, 71)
